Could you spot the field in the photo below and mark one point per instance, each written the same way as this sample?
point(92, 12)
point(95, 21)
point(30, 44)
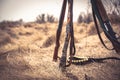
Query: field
point(26, 53)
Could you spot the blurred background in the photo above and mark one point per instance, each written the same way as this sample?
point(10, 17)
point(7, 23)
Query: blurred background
point(28, 34)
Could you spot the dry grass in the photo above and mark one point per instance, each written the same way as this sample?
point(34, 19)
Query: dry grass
point(26, 54)
point(4, 39)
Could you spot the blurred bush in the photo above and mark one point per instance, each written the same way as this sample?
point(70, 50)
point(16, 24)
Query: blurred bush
point(5, 24)
point(85, 18)
point(43, 18)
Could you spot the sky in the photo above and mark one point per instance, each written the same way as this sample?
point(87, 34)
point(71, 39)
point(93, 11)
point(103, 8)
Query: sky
point(29, 9)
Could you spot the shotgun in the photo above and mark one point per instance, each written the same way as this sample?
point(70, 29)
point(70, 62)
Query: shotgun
point(61, 19)
point(100, 12)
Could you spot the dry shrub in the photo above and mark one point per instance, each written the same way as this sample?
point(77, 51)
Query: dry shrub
point(25, 34)
point(49, 41)
point(11, 24)
point(30, 24)
point(44, 28)
point(27, 25)
point(4, 38)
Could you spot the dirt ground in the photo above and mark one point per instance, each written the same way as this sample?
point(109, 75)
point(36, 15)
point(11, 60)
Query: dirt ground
point(26, 53)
